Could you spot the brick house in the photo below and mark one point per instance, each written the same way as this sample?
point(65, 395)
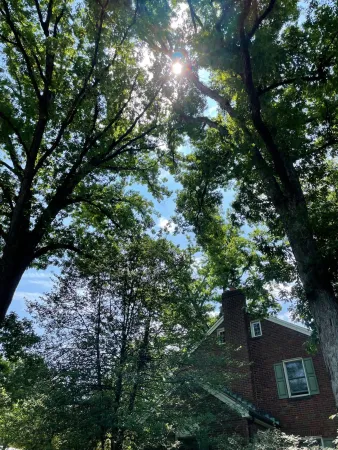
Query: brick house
point(281, 385)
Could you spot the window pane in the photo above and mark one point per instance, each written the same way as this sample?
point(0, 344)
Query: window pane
point(298, 386)
point(257, 329)
point(221, 337)
point(295, 369)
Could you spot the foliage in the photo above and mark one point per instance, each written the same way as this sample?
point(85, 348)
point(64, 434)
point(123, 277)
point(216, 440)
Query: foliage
point(293, 60)
point(117, 331)
point(81, 119)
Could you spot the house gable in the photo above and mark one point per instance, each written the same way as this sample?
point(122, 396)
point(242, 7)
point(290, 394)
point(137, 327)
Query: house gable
point(275, 320)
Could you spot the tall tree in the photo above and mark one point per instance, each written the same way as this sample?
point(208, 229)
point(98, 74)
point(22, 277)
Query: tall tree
point(79, 115)
point(115, 327)
point(272, 69)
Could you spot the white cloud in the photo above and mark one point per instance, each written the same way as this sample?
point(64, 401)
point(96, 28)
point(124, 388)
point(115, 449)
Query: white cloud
point(285, 316)
point(23, 295)
point(39, 278)
point(19, 301)
point(212, 111)
point(166, 225)
point(35, 274)
point(44, 283)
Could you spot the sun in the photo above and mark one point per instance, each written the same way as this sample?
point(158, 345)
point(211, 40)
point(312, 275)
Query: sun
point(177, 68)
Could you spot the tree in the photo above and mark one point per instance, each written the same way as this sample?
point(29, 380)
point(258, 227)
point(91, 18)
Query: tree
point(79, 118)
point(20, 370)
point(115, 329)
point(273, 75)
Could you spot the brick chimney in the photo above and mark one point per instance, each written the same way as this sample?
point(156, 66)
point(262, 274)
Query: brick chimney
point(236, 330)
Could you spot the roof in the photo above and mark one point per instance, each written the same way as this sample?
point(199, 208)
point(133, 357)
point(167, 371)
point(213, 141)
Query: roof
point(281, 322)
point(243, 407)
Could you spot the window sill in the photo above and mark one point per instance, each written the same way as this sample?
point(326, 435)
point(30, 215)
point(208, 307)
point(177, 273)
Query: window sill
point(303, 397)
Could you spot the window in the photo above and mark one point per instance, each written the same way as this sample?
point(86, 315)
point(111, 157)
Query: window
point(256, 329)
point(221, 336)
point(296, 378)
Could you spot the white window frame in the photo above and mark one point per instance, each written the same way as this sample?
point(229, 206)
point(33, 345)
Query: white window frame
point(287, 380)
point(306, 438)
point(219, 331)
point(252, 323)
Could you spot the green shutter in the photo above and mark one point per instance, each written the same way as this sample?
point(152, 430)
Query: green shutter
point(280, 379)
point(328, 443)
point(311, 376)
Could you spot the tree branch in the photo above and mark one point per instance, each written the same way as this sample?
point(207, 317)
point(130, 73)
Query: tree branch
point(222, 101)
point(38, 9)
point(55, 246)
point(15, 129)
point(49, 16)
point(262, 17)
point(288, 81)
point(80, 95)
point(206, 121)
point(194, 16)
point(125, 148)
point(11, 169)
point(6, 13)
point(57, 21)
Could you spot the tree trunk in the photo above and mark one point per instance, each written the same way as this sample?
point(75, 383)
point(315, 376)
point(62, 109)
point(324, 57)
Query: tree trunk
point(290, 203)
point(13, 264)
point(325, 311)
point(316, 281)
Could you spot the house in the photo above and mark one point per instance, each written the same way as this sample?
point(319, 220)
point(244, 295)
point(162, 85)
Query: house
point(281, 384)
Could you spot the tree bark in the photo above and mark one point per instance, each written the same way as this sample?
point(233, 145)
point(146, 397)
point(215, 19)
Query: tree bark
point(15, 260)
point(325, 311)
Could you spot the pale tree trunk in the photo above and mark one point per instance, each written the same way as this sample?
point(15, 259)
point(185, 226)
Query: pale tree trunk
point(325, 311)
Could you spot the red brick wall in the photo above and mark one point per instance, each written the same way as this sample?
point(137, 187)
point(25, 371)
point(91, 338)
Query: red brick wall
point(236, 336)
point(303, 416)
